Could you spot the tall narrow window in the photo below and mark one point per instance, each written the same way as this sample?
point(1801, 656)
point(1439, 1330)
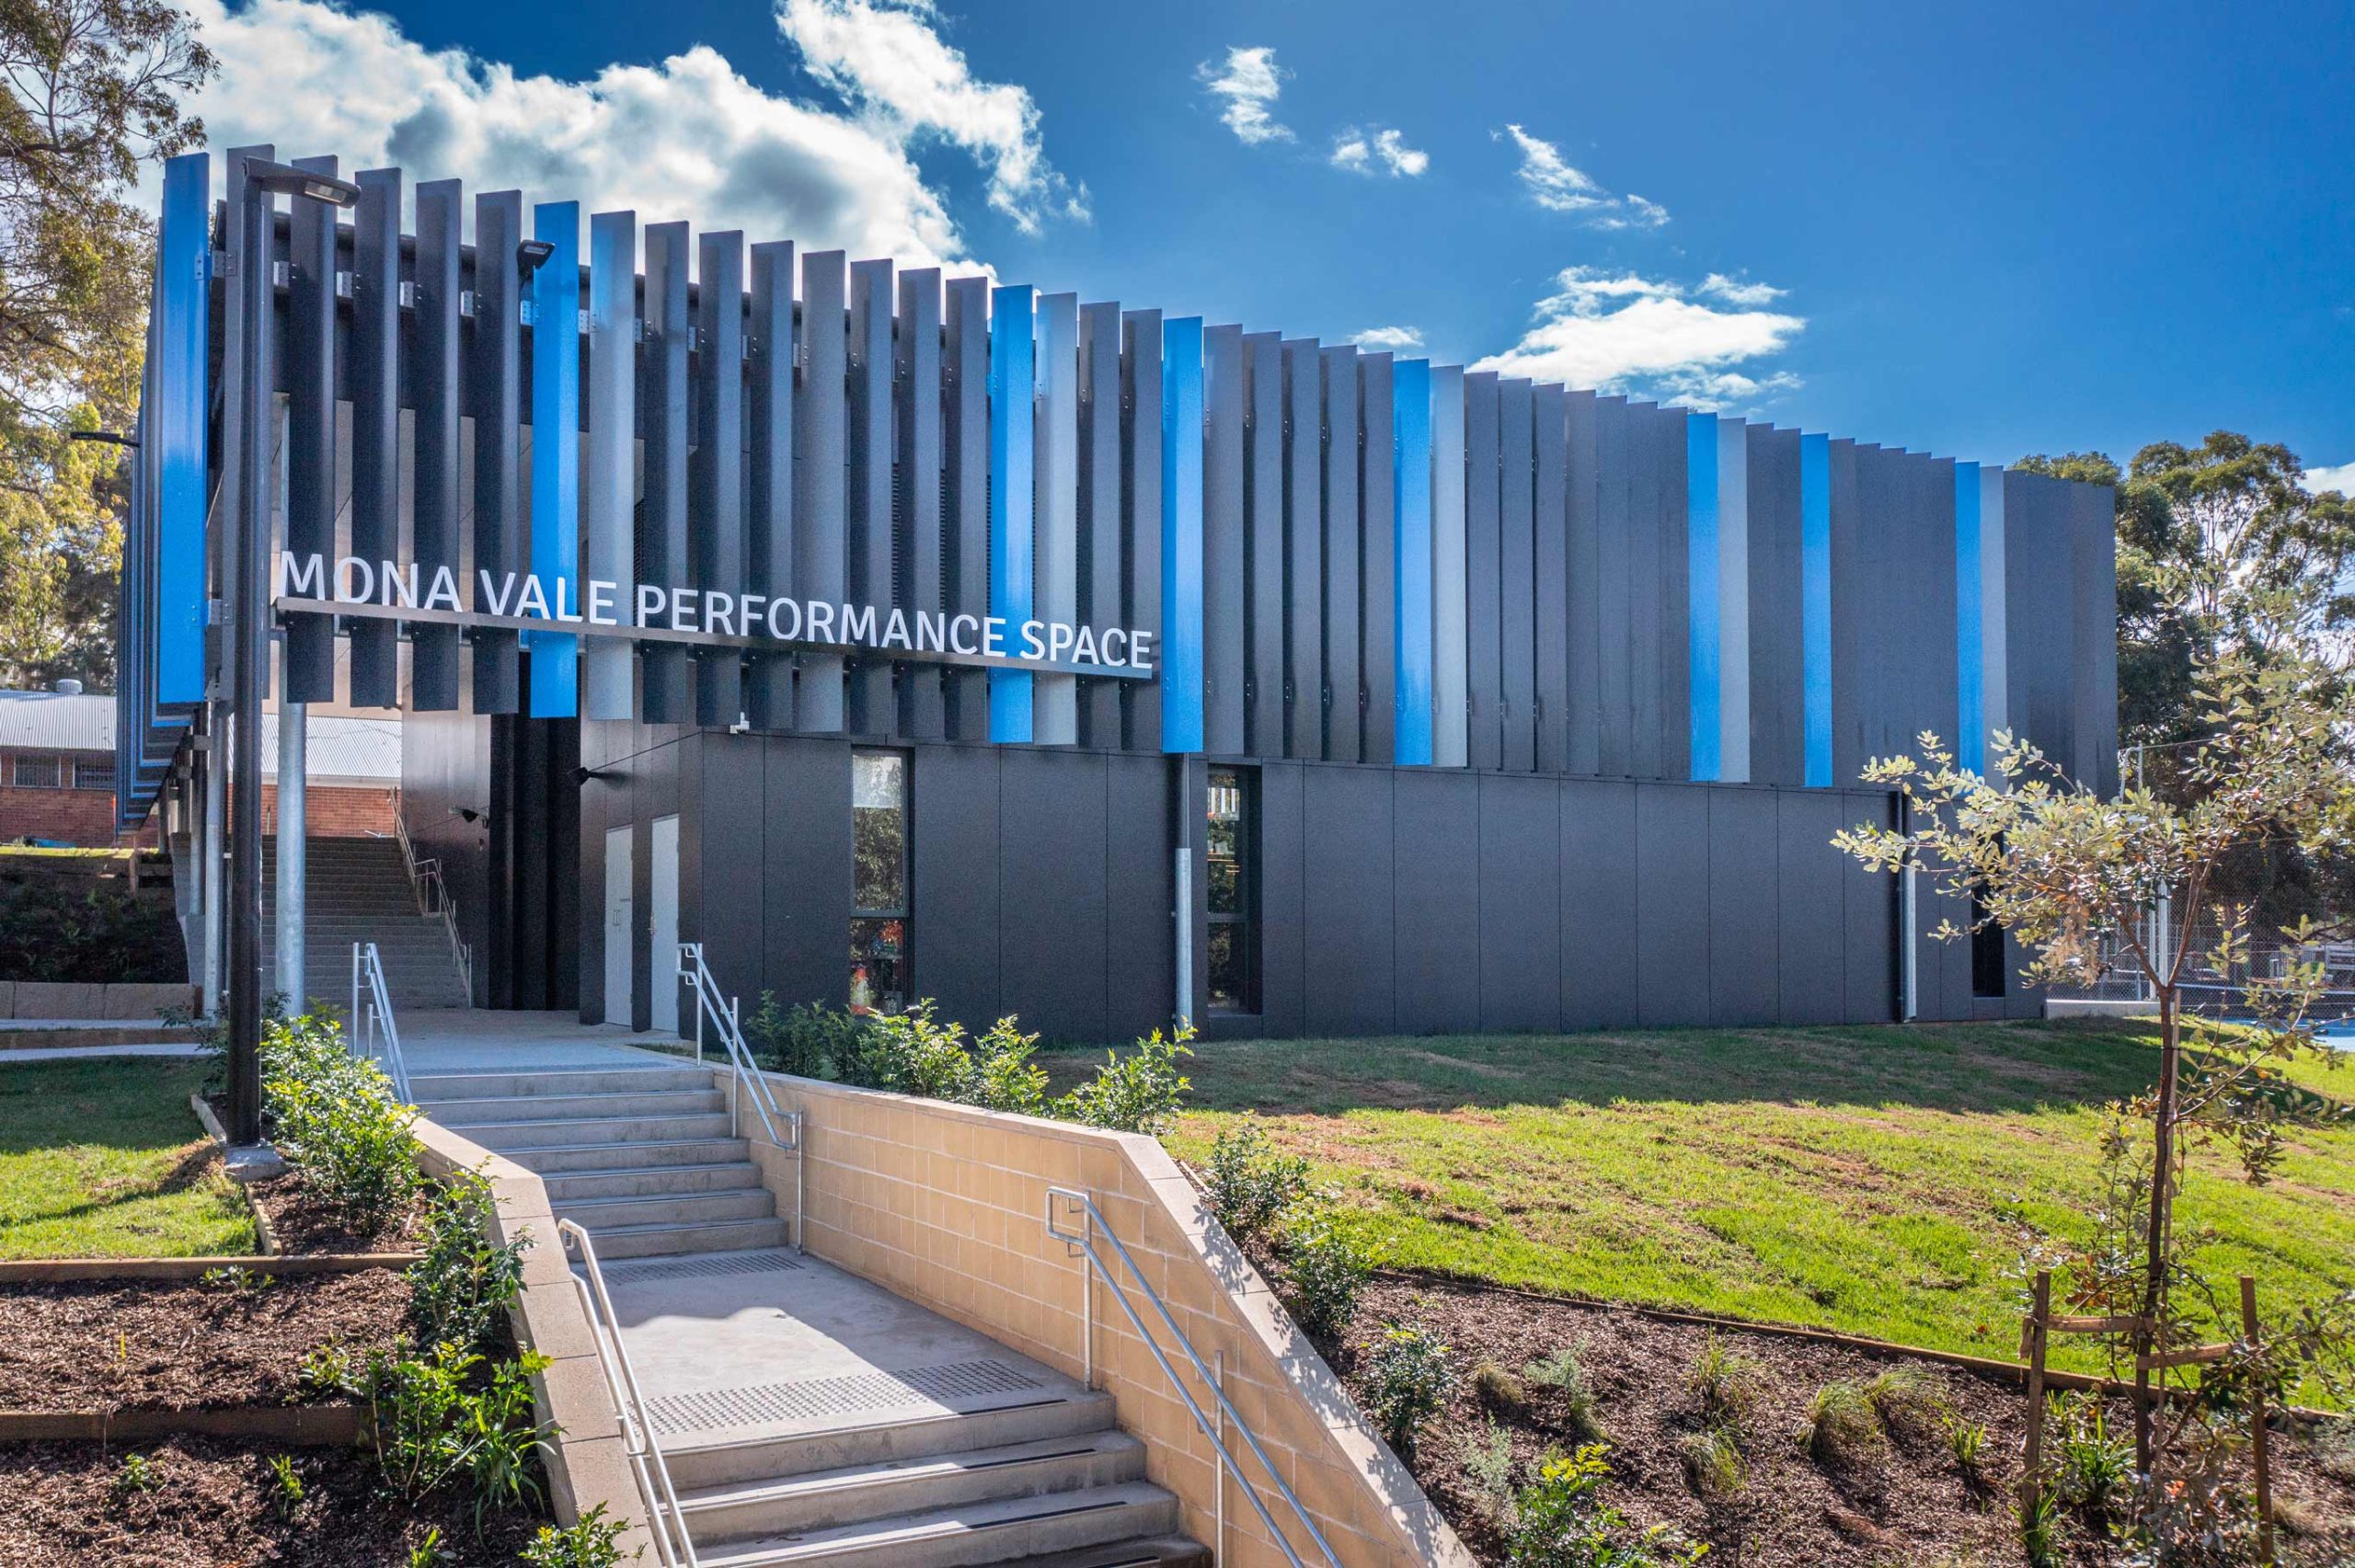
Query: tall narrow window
point(879, 903)
point(1986, 952)
point(1233, 840)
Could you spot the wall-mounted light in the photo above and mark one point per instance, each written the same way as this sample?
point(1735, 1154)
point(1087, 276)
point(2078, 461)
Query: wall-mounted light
point(583, 776)
point(469, 816)
point(531, 255)
point(285, 179)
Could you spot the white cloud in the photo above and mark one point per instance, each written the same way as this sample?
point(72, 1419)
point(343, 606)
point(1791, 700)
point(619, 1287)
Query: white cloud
point(1558, 185)
point(1627, 333)
point(1399, 338)
point(686, 138)
point(1249, 84)
point(1378, 150)
point(1739, 292)
point(2340, 477)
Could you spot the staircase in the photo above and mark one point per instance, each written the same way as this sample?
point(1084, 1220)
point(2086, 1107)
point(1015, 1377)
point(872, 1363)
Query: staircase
point(358, 890)
point(645, 1160)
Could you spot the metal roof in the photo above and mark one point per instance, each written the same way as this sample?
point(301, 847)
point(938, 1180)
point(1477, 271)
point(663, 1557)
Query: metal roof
point(341, 749)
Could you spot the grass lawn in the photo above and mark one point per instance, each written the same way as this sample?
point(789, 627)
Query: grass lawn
point(103, 1158)
point(1870, 1180)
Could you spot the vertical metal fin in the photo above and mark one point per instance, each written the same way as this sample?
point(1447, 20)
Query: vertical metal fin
point(717, 478)
point(434, 383)
point(496, 383)
point(307, 655)
point(375, 381)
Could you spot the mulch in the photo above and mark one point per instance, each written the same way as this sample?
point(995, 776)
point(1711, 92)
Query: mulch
point(209, 1502)
point(1911, 1505)
point(304, 1221)
point(154, 1346)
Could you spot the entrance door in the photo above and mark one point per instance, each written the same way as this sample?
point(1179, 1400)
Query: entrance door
point(621, 923)
point(666, 926)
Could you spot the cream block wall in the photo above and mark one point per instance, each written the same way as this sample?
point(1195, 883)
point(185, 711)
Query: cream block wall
point(945, 1205)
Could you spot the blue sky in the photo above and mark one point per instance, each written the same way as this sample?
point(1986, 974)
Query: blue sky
point(1980, 230)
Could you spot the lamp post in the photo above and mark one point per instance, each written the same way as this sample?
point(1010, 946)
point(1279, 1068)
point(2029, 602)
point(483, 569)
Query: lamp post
point(249, 660)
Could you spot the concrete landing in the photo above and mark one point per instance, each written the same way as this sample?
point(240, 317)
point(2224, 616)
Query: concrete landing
point(468, 1040)
point(738, 1346)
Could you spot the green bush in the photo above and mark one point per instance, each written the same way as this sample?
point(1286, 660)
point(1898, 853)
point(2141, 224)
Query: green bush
point(336, 1116)
point(911, 1053)
point(1005, 1078)
point(1727, 1383)
point(1137, 1093)
point(1324, 1271)
point(462, 1282)
point(1713, 1462)
point(1562, 1521)
point(1249, 1186)
point(55, 927)
point(1408, 1375)
point(449, 1417)
point(586, 1543)
point(808, 1041)
point(1842, 1427)
point(1487, 1465)
point(2093, 1469)
point(1911, 1404)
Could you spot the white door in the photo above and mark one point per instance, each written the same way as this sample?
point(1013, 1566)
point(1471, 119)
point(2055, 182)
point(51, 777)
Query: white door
point(666, 925)
point(621, 909)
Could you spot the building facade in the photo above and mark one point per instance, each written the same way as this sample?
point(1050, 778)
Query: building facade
point(898, 636)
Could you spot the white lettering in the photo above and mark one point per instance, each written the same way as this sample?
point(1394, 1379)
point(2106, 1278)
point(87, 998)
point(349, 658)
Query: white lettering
point(683, 608)
point(932, 630)
point(994, 636)
point(718, 613)
point(1059, 640)
point(349, 572)
point(445, 590)
point(567, 607)
point(961, 636)
point(748, 613)
point(292, 580)
point(858, 624)
point(895, 630)
point(650, 604)
point(601, 601)
point(1111, 652)
point(822, 623)
point(1140, 650)
point(1032, 647)
point(794, 631)
point(1083, 648)
point(497, 597)
point(399, 588)
point(532, 604)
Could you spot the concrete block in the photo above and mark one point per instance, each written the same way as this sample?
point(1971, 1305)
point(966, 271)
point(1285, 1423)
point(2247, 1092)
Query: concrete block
point(7, 998)
point(145, 1001)
point(59, 999)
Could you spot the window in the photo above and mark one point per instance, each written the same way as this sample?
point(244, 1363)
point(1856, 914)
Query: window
point(1233, 840)
point(1986, 952)
point(94, 772)
point(878, 896)
point(36, 773)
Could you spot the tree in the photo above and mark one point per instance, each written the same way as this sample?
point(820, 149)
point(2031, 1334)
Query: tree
point(2065, 872)
point(94, 89)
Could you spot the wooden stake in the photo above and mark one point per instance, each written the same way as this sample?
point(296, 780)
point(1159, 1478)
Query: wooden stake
point(2257, 1419)
point(2032, 1476)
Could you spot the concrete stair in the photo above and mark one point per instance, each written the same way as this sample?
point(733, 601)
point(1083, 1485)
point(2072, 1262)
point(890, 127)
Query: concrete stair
point(358, 890)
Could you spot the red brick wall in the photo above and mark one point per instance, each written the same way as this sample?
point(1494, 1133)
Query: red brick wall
point(81, 817)
point(334, 812)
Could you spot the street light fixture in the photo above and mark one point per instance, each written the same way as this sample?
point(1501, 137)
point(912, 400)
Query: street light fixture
point(261, 181)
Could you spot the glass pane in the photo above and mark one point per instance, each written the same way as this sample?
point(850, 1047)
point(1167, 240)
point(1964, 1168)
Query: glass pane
point(879, 964)
point(878, 834)
point(1224, 843)
point(37, 772)
point(1229, 981)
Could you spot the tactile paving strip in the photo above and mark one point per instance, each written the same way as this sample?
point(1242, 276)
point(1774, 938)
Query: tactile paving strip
point(861, 1395)
point(702, 1267)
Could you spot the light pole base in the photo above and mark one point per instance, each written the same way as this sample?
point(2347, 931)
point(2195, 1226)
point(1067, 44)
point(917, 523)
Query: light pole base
point(250, 1162)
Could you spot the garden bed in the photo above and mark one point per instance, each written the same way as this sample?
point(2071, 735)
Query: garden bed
point(239, 1340)
point(196, 1503)
point(299, 1220)
point(1903, 1499)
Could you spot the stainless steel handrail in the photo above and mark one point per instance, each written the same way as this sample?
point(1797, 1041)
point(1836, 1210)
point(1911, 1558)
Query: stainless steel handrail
point(638, 1441)
point(1084, 1241)
point(750, 1083)
point(432, 893)
point(372, 1017)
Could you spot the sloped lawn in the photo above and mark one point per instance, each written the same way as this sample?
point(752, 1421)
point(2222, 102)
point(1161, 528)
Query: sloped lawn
point(1875, 1180)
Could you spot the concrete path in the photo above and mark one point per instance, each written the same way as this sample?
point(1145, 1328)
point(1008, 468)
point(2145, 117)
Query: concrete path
point(466, 1039)
point(75, 1053)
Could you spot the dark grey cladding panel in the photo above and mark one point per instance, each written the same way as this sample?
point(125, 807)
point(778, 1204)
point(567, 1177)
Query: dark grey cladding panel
point(496, 379)
point(1810, 906)
point(1521, 902)
point(1583, 587)
point(1377, 534)
point(1342, 572)
point(716, 469)
point(1141, 514)
point(307, 344)
point(1550, 549)
point(729, 813)
point(1871, 907)
point(1671, 905)
point(869, 567)
point(1851, 593)
point(919, 540)
point(820, 475)
point(663, 394)
point(965, 489)
point(374, 379)
point(1777, 649)
point(1614, 598)
point(1100, 593)
point(2092, 613)
point(1517, 711)
point(1675, 649)
point(1484, 661)
point(1350, 845)
point(1139, 941)
point(1599, 875)
point(434, 386)
point(1304, 529)
point(1224, 562)
point(1934, 573)
point(1052, 831)
point(768, 411)
point(1744, 904)
point(1436, 902)
point(2037, 563)
point(806, 871)
point(1282, 911)
point(1647, 566)
point(1263, 544)
point(954, 875)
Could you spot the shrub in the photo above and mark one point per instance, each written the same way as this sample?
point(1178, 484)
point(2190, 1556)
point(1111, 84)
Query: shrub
point(1498, 1389)
point(1137, 1093)
point(439, 1419)
point(1841, 1426)
point(1909, 1404)
point(808, 1041)
point(1580, 1420)
point(135, 1475)
point(336, 1116)
point(586, 1543)
point(1324, 1271)
point(1487, 1465)
point(2091, 1470)
point(1250, 1186)
point(1713, 1462)
point(285, 1486)
point(54, 928)
point(463, 1280)
point(1727, 1383)
point(1563, 1522)
point(1408, 1376)
point(1004, 1076)
point(908, 1053)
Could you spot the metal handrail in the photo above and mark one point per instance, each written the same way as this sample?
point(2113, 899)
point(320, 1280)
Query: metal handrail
point(433, 892)
point(1085, 1240)
point(638, 1441)
point(372, 1017)
point(750, 1083)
